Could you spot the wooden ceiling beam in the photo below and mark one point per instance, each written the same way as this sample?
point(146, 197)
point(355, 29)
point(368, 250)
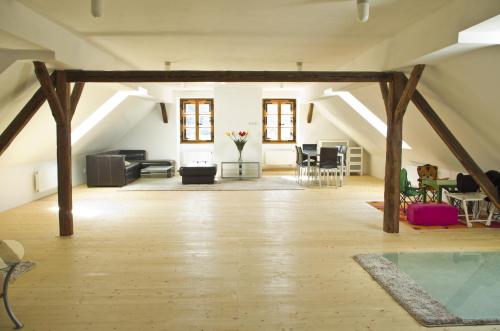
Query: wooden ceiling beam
point(48, 88)
point(310, 112)
point(385, 95)
point(409, 89)
point(173, 76)
point(164, 114)
point(75, 97)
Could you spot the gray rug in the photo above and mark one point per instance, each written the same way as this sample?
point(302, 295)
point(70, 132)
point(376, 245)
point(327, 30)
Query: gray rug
point(22, 267)
point(425, 309)
point(269, 183)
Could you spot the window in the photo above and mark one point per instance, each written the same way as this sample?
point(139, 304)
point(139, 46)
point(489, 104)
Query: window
point(197, 120)
point(279, 121)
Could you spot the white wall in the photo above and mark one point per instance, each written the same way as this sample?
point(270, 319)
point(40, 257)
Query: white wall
point(238, 108)
point(153, 135)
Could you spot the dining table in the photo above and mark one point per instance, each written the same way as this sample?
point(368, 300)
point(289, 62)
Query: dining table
point(311, 154)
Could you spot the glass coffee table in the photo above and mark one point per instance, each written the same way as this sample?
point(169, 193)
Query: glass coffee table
point(240, 170)
point(157, 172)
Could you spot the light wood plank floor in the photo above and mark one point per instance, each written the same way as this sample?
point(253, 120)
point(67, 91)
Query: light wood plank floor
point(268, 260)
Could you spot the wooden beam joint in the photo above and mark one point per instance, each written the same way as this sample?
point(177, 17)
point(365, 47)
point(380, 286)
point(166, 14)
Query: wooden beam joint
point(48, 88)
point(409, 89)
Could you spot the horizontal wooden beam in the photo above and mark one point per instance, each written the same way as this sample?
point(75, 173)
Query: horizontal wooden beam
point(455, 147)
point(22, 118)
point(226, 76)
point(164, 114)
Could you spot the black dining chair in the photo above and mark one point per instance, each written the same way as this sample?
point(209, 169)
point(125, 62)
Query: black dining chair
point(310, 147)
point(301, 163)
point(328, 163)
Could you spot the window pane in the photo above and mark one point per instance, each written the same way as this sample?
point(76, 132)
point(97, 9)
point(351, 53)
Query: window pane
point(287, 121)
point(286, 108)
point(286, 134)
point(272, 120)
point(189, 108)
point(189, 134)
point(190, 120)
point(272, 134)
point(205, 120)
point(204, 108)
point(205, 134)
point(272, 108)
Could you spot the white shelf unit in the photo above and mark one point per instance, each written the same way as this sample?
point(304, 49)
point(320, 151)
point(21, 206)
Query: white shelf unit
point(355, 160)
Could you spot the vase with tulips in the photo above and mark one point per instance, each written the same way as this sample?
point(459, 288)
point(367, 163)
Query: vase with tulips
point(240, 139)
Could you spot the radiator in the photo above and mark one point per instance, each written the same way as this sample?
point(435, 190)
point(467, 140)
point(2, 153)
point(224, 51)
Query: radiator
point(45, 179)
point(197, 156)
point(279, 157)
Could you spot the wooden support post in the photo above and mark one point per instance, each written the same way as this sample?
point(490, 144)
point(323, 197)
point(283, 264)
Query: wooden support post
point(310, 113)
point(22, 118)
point(393, 156)
point(396, 99)
point(455, 147)
point(61, 110)
point(64, 182)
point(164, 114)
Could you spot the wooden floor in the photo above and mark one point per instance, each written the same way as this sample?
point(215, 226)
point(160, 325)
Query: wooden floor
point(267, 260)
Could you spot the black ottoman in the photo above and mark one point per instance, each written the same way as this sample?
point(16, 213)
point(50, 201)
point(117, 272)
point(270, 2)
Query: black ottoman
point(198, 173)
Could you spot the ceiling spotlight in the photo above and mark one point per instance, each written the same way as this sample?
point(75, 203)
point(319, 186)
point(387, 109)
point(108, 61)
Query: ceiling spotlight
point(168, 65)
point(97, 8)
point(363, 10)
point(299, 66)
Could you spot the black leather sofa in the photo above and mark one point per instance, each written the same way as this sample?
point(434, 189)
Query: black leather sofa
point(198, 173)
point(118, 167)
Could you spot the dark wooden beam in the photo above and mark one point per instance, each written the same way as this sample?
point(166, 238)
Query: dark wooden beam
point(310, 113)
point(393, 157)
point(164, 114)
point(385, 95)
point(64, 182)
point(48, 88)
point(455, 147)
point(22, 118)
point(226, 76)
point(75, 97)
point(410, 87)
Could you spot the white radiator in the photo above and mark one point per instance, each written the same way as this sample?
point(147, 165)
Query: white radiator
point(279, 157)
point(197, 156)
point(45, 179)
